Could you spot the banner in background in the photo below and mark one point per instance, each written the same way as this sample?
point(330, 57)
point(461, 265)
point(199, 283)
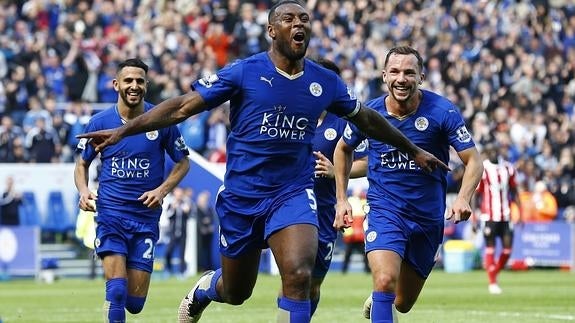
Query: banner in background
point(19, 251)
point(544, 244)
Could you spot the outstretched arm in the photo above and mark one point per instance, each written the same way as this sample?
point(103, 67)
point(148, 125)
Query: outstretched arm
point(169, 112)
point(371, 123)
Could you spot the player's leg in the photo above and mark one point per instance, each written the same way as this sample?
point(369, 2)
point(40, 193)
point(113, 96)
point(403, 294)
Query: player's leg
point(326, 243)
point(409, 287)
point(140, 263)
point(507, 244)
point(315, 293)
point(320, 269)
point(239, 277)
point(233, 283)
point(385, 269)
point(294, 248)
point(138, 286)
point(489, 236)
point(385, 243)
point(112, 248)
point(114, 266)
point(424, 242)
point(241, 241)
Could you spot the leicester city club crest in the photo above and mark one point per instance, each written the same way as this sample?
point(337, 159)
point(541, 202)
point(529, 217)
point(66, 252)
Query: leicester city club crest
point(330, 134)
point(152, 135)
point(421, 123)
point(315, 89)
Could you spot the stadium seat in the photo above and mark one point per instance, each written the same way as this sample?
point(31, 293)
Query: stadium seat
point(57, 217)
point(29, 213)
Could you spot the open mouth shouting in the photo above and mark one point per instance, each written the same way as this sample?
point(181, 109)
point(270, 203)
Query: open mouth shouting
point(299, 38)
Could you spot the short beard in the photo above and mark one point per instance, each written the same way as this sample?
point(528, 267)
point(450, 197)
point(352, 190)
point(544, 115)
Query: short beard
point(128, 103)
point(290, 54)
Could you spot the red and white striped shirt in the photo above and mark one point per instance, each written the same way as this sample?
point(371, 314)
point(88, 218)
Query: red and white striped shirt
point(494, 191)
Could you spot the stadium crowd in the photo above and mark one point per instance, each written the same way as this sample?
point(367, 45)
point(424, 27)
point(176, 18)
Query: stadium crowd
point(509, 65)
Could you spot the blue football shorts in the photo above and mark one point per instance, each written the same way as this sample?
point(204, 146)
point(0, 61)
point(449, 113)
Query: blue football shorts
point(327, 237)
point(134, 240)
point(323, 258)
point(417, 243)
point(247, 223)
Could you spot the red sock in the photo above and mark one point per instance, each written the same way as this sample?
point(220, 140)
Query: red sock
point(490, 265)
point(503, 257)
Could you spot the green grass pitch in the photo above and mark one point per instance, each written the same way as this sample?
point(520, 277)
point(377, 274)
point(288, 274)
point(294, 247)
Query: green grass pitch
point(535, 296)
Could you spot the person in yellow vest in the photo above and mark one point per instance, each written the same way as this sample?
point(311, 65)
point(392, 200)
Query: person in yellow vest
point(354, 236)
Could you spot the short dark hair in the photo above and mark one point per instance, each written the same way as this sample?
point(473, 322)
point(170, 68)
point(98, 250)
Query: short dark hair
point(133, 62)
point(330, 65)
point(273, 9)
point(405, 50)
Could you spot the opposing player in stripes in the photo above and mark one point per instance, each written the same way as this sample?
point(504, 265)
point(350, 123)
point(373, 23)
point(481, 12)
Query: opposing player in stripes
point(495, 193)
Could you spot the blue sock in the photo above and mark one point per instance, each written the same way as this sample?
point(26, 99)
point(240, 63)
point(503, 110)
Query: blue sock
point(211, 294)
point(135, 304)
point(116, 294)
point(313, 304)
point(381, 308)
point(298, 311)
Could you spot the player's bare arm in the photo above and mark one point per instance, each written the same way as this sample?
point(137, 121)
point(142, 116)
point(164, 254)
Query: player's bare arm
point(155, 198)
point(87, 198)
point(461, 209)
point(169, 112)
point(371, 123)
point(342, 161)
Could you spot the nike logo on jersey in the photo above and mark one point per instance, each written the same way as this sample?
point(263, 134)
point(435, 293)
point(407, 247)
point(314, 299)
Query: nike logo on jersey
point(266, 80)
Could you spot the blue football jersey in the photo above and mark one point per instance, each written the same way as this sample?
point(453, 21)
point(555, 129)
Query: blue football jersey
point(132, 166)
point(395, 181)
point(273, 117)
point(327, 135)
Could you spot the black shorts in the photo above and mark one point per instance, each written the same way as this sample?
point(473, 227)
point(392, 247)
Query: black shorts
point(494, 229)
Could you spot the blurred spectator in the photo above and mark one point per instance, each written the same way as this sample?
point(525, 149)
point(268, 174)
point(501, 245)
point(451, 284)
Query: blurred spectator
point(10, 204)
point(35, 111)
point(77, 115)
point(539, 205)
point(11, 137)
point(18, 91)
point(219, 42)
point(106, 92)
point(43, 143)
point(206, 229)
point(249, 35)
point(178, 211)
point(63, 131)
